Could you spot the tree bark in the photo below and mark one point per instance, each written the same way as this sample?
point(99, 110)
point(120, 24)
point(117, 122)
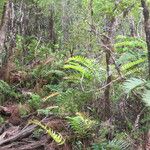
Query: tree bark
point(146, 14)
point(3, 25)
point(108, 45)
point(65, 21)
point(132, 26)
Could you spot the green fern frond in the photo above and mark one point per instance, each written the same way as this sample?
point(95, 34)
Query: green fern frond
point(82, 66)
point(81, 124)
point(85, 61)
point(115, 144)
point(118, 145)
point(4, 86)
point(7, 90)
point(129, 43)
point(130, 65)
point(57, 137)
point(146, 97)
point(133, 83)
point(46, 73)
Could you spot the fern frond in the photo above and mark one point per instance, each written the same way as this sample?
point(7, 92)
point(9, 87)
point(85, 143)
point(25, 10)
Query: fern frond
point(83, 60)
point(133, 83)
point(7, 90)
point(57, 137)
point(115, 144)
point(132, 64)
point(81, 124)
point(129, 43)
point(84, 67)
point(146, 97)
point(118, 145)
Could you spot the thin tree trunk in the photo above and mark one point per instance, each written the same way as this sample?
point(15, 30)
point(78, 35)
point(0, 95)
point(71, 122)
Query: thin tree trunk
point(146, 14)
point(65, 21)
point(108, 43)
point(10, 36)
point(91, 24)
point(52, 34)
point(3, 26)
point(132, 26)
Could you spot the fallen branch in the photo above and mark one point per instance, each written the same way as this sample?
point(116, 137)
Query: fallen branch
point(31, 146)
point(22, 134)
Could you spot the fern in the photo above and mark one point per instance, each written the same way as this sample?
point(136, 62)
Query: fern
point(81, 66)
point(6, 91)
point(81, 124)
point(127, 43)
point(72, 100)
point(146, 97)
point(133, 83)
point(118, 145)
point(133, 64)
point(57, 137)
point(115, 144)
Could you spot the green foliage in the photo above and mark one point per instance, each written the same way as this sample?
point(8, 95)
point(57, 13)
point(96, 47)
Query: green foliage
point(82, 68)
point(2, 2)
point(112, 145)
point(72, 100)
point(81, 124)
point(132, 54)
point(37, 50)
point(84, 73)
point(6, 91)
point(1, 120)
point(57, 137)
point(47, 111)
point(132, 84)
point(60, 29)
point(146, 97)
point(35, 101)
point(44, 3)
point(37, 133)
point(132, 65)
point(124, 44)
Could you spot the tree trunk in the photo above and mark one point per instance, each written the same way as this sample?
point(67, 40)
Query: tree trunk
point(146, 14)
point(52, 34)
point(65, 21)
point(9, 35)
point(108, 45)
point(3, 26)
point(132, 26)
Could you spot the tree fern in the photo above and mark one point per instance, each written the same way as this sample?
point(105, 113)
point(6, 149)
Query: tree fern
point(57, 137)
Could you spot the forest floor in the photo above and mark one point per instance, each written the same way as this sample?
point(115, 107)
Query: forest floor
point(18, 134)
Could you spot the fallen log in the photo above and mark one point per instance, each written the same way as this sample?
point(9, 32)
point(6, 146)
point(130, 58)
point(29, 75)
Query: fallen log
point(20, 135)
point(32, 146)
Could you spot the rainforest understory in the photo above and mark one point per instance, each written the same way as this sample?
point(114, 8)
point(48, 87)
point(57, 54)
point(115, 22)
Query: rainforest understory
point(74, 74)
